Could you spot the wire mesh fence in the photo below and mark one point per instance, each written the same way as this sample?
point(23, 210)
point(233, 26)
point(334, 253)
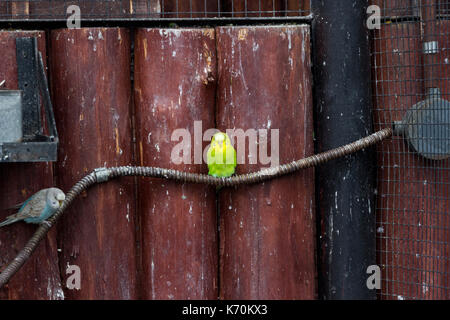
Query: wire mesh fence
point(410, 57)
point(152, 9)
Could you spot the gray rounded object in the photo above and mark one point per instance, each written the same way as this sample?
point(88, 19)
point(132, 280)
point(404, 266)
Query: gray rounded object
point(426, 127)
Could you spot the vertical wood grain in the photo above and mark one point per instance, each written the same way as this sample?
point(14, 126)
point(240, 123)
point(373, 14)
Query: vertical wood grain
point(39, 278)
point(175, 72)
point(91, 89)
point(267, 238)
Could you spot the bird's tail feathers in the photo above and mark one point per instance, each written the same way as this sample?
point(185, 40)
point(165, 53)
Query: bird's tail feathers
point(9, 220)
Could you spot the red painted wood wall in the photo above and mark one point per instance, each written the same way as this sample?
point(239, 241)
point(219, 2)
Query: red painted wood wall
point(174, 87)
point(155, 239)
point(264, 84)
point(39, 278)
point(91, 87)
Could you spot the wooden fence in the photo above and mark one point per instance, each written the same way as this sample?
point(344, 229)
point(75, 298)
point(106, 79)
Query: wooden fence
point(157, 239)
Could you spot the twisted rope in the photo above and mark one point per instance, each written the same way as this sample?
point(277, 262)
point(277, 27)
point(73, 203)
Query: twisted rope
point(104, 174)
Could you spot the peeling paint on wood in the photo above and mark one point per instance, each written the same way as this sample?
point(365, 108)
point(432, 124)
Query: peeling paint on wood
point(39, 278)
point(91, 90)
point(174, 87)
point(267, 230)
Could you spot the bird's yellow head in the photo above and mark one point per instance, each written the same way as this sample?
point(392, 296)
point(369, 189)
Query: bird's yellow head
point(220, 140)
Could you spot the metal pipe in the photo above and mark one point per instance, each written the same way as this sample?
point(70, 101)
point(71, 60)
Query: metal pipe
point(430, 43)
point(345, 187)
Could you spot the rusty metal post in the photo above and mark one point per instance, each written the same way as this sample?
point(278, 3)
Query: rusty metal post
point(267, 230)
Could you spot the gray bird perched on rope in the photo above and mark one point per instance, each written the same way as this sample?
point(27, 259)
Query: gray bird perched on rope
point(38, 208)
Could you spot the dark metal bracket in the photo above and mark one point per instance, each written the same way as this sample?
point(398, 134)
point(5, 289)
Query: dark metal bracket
point(35, 146)
point(27, 61)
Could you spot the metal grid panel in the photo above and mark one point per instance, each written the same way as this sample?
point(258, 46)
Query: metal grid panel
point(153, 9)
point(413, 207)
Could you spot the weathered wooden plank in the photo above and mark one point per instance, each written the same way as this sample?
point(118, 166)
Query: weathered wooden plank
point(267, 230)
point(39, 278)
point(412, 227)
point(91, 89)
point(175, 72)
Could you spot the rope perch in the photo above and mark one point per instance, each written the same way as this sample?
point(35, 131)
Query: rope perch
point(101, 175)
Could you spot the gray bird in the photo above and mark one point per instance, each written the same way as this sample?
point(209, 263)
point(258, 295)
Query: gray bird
point(38, 208)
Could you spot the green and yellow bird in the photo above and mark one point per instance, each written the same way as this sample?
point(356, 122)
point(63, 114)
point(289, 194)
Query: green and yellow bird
point(221, 156)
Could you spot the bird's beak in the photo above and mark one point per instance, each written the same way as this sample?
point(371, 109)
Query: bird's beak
point(60, 202)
